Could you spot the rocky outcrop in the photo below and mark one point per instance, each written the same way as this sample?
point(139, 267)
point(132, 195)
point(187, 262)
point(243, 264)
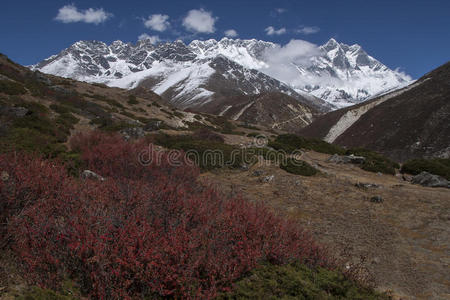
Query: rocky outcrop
point(88, 174)
point(346, 159)
point(430, 180)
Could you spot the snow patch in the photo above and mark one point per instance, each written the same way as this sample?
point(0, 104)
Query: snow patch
point(239, 114)
point(225, 110)
point(351, 116)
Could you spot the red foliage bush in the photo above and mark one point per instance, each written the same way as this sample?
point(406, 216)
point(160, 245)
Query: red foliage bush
point(144, 231)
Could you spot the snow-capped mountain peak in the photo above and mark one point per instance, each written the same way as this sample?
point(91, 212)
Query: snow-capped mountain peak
point(335, 72)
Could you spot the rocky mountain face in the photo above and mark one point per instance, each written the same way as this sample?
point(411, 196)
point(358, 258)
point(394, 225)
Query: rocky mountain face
point(274, 110)
point(412, 122)
point(327, 77)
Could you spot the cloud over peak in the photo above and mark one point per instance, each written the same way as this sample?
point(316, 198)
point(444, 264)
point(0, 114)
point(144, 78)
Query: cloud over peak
point(308, 30)
point(231, 33)
point(272, 31)
point(157, 22)
point(200, 21)
point(71, 14)
point(152, 38)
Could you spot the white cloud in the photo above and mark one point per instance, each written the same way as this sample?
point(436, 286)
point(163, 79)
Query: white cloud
point(231, 33)
point(71, 14)
point(281, 60)
point(272, 31)
point(199, 20)
point(280, 10)
point(157, 22)
point(308, 30)
point(153, 38)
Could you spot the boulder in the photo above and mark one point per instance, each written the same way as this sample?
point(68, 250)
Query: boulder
point(430, 180)
point(407, 177)
point(367, 185)
point(133, 132)
point(267, 179)
point(88, 174)
point(346, 159)
point(38, 76)
point(153, 125)
point(257, 173)
point(18, 111)
point(244, 167)
point(376, 199)
point(4, 176)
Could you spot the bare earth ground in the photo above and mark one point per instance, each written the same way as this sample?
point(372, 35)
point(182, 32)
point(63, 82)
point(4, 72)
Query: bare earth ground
point(405, 240)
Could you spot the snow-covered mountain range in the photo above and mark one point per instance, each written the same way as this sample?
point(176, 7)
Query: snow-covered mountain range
point(329, 76)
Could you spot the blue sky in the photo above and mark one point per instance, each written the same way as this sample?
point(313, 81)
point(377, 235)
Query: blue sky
point(411, 35)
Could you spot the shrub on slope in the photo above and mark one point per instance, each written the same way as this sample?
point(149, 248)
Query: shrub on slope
point(145, 231)
point(437, 166)
point(292, 142)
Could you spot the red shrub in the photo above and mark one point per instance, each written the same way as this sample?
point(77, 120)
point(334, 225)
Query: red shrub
point(144, 230)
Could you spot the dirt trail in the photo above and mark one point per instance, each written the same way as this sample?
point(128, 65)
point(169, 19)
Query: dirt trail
point(405, 240)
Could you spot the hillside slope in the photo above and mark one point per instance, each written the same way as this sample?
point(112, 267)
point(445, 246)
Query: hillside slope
point(409, 123)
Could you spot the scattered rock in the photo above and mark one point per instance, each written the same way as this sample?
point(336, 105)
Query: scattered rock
point(4, 176)
point(153, 125)
point(42, 78)
point(366, 186)
point(18, 111)
point(407, 177)
point(376, 199)
point(398, 185)
point(376, 260)
point(268, 178)
point(430, 180)
point(60, 89)
point(346, 159)
point(88, 174)
point(257, 173)
point(244, 167)
point(133, 132)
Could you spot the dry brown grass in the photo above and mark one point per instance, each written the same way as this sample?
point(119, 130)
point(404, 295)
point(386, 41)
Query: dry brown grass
point(404, 241)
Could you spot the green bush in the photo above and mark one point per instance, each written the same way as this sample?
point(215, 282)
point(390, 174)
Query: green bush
point(111, 102)
point(210, 154)
point(292, 142)
point(223, 123)
point(66, 121)
point(101, 85)
point(248, 126)
point(68, 291)
point(37, 293)
point(253, 134)
point(375, 162)
point(178, 114)
point(110, 125)
point(132, 100)
point(11, 87)
point(31, 140)
point(298, 167)
point(267, 153)
point(35, 132)
point(128, 114)
point(437, 166)
point(296, 281)
point(61, 109)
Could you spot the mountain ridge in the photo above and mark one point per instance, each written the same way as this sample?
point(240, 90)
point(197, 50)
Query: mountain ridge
point(126, 65)
point(407, 123)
